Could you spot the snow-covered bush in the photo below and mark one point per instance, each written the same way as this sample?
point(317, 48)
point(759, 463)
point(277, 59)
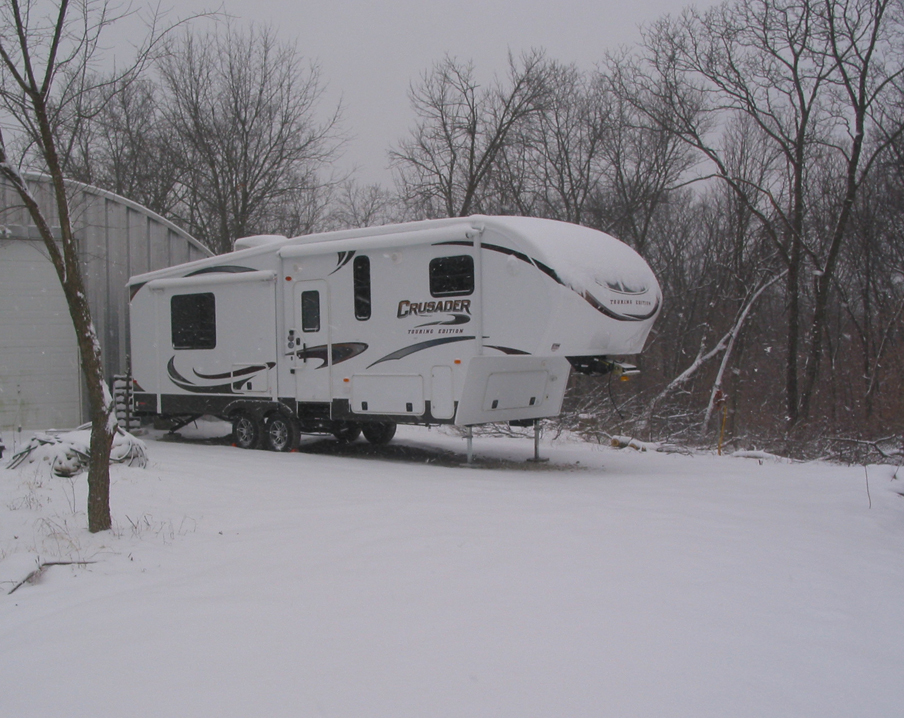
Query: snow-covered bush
point(67, 454)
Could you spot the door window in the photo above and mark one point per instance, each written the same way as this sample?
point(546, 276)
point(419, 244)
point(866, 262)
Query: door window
point(310, 311)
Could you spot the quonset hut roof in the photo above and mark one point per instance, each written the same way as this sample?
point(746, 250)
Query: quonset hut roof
point(117, 238)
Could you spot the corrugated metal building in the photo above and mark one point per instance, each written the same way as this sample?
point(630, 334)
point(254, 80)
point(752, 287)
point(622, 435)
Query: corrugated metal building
point(40, 376)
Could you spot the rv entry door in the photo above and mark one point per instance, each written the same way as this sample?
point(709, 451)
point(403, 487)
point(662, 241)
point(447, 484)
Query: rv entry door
point(309, 334)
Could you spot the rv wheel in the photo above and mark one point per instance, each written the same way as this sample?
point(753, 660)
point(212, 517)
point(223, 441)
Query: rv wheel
point(379, 432)
point(246, 430)
point(346, 431)
point(281, 433)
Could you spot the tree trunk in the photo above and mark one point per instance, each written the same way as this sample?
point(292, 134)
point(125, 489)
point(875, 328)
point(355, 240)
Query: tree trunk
point(103, 420)
point(99, 398)
point(64, 257)
point(791, 368)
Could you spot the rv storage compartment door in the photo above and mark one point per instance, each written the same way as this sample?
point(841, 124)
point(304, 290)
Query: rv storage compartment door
point(509, 388)
point(515, 389)
point(388, 394)
point(442, 398)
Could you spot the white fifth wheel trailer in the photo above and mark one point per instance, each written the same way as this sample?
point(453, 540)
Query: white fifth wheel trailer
point(458, 321)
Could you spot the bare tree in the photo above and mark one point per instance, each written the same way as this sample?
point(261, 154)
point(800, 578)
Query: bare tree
point(120, 143)
point(806, 74)
point(462, 128)
point(870, 284)
point(46, 52)
point(640, 161)
point(549, 167)
point(750, 57)
point(242, 107)
point(863, 38)
point(356, 205)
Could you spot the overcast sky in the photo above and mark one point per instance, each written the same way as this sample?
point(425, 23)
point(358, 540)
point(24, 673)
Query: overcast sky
point(370, 51)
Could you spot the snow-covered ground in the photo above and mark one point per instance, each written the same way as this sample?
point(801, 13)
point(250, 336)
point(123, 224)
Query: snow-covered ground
point(331, 583)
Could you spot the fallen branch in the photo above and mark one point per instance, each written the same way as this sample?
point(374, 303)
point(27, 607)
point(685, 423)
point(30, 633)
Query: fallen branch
point(760, 456)
point(875, 444)
point(628, 442)
point(726, 343)
point(40, 569)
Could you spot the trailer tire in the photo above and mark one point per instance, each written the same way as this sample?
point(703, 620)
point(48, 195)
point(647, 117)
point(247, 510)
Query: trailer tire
point(379, 432)
point(346, 431)
point(281, 433)
point(246, 430)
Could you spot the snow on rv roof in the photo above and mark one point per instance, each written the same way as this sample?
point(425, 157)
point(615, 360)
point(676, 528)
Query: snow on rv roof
point(266, 244)
point(581, 257)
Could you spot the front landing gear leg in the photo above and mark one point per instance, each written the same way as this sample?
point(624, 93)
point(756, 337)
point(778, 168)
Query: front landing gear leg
point(537, 458)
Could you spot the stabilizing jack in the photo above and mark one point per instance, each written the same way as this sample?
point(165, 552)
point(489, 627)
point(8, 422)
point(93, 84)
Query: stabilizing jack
point(537, 432)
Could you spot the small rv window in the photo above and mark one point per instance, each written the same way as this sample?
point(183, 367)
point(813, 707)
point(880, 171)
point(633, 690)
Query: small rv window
point(310, 311)
point(451, 275)
point(193, 318)
point(361, 280)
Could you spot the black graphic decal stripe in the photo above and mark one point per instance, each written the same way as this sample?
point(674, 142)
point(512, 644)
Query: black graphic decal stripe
point(420, 346)
point(510, 252)
point(455, 243)
point(507, 350)
point(341, 352)
point(228, 387)
point(220, 269)
point(344, 258)
point(175, 375)
point(456, 319)
point(551, 273)
point(313, 354)
point(596, 304)
point(347, 350)
point(494, 248)
point(235, 374)
point(620, 288)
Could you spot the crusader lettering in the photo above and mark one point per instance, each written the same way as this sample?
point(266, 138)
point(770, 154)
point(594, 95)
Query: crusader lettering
point(421, 309)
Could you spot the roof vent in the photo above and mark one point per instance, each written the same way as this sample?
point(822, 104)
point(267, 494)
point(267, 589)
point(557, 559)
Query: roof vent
point(258, 240)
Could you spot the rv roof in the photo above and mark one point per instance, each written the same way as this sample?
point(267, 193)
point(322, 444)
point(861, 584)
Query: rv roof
point(579, 255)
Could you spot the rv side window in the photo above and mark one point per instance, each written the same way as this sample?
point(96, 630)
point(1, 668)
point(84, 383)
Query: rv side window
point(193, 318)
point(310, 311)
point(452, 275)
point(361, 274)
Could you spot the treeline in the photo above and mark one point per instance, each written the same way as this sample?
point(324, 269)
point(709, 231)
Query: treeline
point(751, 152)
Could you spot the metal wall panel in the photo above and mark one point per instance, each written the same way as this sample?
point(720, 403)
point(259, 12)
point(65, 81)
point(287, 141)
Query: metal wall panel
point(117, 239)
point(40, 382)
